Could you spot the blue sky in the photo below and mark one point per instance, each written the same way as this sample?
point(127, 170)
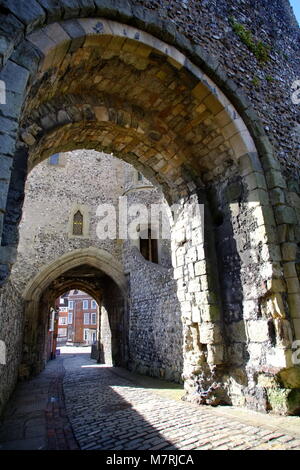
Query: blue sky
point(296, 6)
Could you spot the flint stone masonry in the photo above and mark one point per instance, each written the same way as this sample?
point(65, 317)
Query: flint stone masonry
point(209, 118)
point(11, 332)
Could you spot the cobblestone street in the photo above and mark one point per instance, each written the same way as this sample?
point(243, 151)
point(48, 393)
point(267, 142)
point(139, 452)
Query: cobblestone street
point(76, 403)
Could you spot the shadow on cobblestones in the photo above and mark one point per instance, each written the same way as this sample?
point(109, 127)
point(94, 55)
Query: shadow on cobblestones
point(76, 403)
point(104, 410)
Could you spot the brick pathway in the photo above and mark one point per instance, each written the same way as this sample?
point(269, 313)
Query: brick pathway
point(109, 411)
point(35, 417)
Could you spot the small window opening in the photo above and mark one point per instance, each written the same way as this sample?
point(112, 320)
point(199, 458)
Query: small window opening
point(78, 223)
point(149, 248)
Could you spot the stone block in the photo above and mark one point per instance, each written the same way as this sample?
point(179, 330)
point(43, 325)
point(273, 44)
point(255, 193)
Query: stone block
point(191, 255)
point(294, 305)
point(250, 309)
point(54, 10)
point(186, 309)
point(210, 313)
point(289, 270)
point(290, 378)
point(75, 32)
point(270, 252)
point(276, 285)
point(196, 314)
point(284, 335)
point(270, 162)
point(178, 273)
point(15, 77)
point(204, 283)
point(71, 8)
point(275, 179)
point(273, 306)
point(296, 323)
point(200, 268)
point(279, 358)
point(5, 167)
point(236, 354)
point(197, 236)
point(293, 285)
point(289, 251)
point(8, 254)
point(264, 216)
point(278, 399)
point(191, 270)
point(255, 351)
point(240, 145)
point(58, 34)
point(200, 252)
point(194, 285)
point(259, 196)
point(4, 185)
point(282, 231)
point(215, 354)
point(258, 331)
point(267, 381)
point(285, 215)
point(277, 196)
point(237, 332)
point(179, 236)
point(210, 333)
point(7, 145)
point(31, 15)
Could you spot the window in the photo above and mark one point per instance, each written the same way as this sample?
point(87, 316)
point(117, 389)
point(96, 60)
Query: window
point(62, 331)
point(71, 304)
point(149, 247)
point(86, 334)
point(85, 304)
point(62, 321)
point(70, 318)
point(93, 319)
point(86, 320)
point(78, 223)
point(94, 304)
point(63, 309)
point(54, 159)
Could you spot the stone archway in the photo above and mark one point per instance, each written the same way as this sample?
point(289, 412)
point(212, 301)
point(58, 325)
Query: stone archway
point(92, 270)
point(197, 149)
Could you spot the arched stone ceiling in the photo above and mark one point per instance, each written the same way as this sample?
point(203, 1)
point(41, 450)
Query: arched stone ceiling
point(114, 88)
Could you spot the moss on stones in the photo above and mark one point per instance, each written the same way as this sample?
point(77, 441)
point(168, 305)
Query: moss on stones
point(259, 49)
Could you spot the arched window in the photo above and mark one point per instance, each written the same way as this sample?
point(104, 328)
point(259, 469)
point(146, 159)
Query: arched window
point(149, 246)
point(78, 223)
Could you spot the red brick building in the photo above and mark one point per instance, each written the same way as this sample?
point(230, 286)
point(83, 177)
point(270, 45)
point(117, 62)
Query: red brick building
point(78, 319)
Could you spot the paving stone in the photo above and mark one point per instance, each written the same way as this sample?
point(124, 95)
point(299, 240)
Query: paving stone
point(152, 422)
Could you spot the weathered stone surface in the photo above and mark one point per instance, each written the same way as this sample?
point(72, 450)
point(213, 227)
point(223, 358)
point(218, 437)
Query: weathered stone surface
point(290, 378)
point(31, 16)
point(133, 95)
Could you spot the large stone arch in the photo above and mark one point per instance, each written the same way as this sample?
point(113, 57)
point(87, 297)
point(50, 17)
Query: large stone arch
point(252, 155)
point(95, 257)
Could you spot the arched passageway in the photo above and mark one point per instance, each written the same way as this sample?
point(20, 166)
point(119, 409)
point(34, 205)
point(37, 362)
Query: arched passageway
point(90, 270)
point(101, 84)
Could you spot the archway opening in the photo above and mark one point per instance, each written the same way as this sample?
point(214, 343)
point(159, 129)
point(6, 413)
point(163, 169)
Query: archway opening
point(110, 87)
